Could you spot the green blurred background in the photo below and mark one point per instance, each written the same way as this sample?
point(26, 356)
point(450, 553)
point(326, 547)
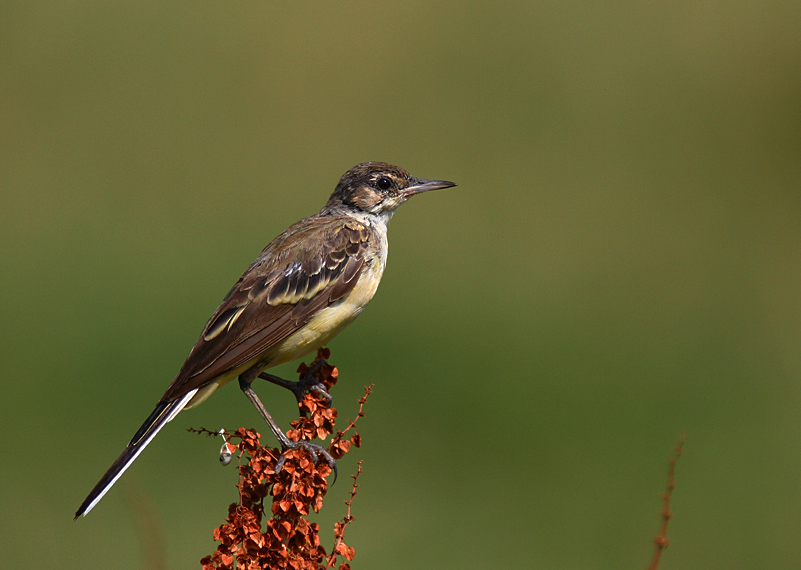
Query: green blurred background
point(619, 263)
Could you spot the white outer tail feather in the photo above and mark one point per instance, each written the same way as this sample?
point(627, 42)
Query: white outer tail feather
point(176, 408)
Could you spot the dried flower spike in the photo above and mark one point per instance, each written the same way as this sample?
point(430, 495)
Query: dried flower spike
point(285, 538)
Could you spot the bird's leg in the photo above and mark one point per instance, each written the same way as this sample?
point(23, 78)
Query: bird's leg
point(306, 384)
point(245, 380)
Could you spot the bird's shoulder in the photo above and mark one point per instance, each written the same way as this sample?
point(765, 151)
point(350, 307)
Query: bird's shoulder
point(320, 243)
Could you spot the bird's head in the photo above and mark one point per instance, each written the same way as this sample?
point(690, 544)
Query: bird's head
point(379, 188)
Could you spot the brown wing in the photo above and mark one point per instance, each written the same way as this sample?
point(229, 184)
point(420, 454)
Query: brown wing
point(311, 265)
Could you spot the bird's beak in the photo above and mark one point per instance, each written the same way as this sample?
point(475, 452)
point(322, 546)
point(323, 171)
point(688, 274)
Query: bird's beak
point(420, 185)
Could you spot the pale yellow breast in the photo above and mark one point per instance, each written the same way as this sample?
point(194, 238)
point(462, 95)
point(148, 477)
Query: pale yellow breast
point(328, 322)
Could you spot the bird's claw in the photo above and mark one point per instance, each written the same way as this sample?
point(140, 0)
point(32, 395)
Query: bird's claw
point(306, 384)
point(313, 448)
point(309, 383)
point(321, 391)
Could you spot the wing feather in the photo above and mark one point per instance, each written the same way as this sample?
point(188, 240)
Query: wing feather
point(223, 322)
point(297, 275)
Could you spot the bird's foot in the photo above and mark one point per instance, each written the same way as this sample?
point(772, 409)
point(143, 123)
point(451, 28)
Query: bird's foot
point(306, 384)
point(309, 383)
point(314, 450)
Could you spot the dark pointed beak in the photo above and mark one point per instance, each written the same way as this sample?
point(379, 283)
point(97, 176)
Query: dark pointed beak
point(420, 185)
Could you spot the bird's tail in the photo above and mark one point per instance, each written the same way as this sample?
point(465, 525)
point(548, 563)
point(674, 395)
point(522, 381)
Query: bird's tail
point(164, 412)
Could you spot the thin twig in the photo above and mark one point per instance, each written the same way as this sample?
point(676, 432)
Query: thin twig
point(352, 423)
point(661, 540)
point(340, 527)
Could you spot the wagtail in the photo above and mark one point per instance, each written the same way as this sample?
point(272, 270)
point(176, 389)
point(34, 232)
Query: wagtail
point(307, 285)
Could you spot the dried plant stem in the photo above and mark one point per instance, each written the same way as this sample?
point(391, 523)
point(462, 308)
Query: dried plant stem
point(339, 531)
point(280, 536)
point(661, 540)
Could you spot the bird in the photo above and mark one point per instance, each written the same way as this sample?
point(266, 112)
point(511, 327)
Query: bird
point(306, 286)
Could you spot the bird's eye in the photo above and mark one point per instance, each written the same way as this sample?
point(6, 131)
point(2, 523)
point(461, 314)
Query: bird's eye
point(383, 183)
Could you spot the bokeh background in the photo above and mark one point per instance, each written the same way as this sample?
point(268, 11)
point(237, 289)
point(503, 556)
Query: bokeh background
point(620, 263)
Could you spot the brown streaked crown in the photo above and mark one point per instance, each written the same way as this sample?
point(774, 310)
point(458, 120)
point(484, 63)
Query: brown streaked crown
point(371, 185)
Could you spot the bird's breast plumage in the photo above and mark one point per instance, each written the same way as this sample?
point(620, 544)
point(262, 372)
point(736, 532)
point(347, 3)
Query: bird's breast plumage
point(329, 321)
